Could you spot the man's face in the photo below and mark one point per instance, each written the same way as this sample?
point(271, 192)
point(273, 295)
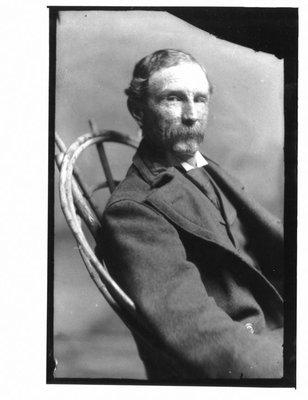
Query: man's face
point(176, 111)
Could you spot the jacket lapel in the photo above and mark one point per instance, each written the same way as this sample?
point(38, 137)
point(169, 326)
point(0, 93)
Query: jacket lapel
point(178, 198)
point(182, 202)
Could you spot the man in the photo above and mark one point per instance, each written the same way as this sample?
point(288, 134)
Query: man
point(197, 255)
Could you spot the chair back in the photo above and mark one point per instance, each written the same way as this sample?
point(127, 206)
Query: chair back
point(78, 206)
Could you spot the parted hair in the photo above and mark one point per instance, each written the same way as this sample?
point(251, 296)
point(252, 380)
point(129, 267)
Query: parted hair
point(144, 68)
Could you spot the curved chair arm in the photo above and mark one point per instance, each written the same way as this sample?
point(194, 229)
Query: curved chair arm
point(68, 207)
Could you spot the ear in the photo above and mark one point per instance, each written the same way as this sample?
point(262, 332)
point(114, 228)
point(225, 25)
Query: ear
point(136, 109)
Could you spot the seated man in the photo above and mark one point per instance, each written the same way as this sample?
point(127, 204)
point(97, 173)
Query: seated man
point(200, 259)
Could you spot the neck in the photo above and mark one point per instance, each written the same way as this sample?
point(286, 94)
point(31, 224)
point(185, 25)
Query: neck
point(179, 158)
point(172, 157)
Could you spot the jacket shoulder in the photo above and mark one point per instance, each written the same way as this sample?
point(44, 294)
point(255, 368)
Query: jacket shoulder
point(133, 187)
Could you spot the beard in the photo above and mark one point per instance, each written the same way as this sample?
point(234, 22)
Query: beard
point(183, 138)
point(175, 138)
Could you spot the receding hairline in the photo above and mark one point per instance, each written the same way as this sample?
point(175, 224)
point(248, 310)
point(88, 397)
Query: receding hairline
point(188, 62)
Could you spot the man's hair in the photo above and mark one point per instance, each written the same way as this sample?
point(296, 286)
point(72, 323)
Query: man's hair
point(146, 67)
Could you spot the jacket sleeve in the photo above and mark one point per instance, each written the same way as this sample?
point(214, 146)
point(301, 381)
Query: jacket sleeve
point(146, 257)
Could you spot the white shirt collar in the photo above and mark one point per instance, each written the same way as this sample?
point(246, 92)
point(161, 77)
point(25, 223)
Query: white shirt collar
point(199, 159)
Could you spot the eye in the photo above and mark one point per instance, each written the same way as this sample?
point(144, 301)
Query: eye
point(201, 99)
point(173, 97)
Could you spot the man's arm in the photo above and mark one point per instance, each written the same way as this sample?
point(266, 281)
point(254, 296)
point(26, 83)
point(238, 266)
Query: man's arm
point(146, 256)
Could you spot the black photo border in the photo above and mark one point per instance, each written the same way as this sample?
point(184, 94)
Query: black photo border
point(271, 30)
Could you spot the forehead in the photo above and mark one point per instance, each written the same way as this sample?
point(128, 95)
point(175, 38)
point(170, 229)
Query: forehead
point(185, 76)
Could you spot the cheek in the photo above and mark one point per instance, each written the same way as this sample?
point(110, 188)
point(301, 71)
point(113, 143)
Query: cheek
point(166, 113)
point(203, 117)
point(203, 111)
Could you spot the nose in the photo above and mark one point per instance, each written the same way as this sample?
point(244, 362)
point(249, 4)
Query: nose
point(189, 113)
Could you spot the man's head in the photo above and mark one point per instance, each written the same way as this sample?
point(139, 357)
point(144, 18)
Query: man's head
point(168, 96)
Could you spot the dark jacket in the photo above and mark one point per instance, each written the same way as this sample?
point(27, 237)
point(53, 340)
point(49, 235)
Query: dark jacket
point(215, 314)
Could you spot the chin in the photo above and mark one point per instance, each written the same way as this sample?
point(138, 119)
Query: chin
point(187, 148)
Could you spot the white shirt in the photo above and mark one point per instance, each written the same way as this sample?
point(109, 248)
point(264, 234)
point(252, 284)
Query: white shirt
point(199, 160)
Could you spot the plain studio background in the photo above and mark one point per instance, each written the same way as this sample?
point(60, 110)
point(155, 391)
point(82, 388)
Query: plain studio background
point(96, 53)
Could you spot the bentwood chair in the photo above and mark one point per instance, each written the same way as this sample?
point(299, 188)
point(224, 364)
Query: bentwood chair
point(79, 208)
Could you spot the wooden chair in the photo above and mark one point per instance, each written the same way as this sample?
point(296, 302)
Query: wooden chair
point(78, 206)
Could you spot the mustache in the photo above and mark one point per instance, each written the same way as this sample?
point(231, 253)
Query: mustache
point(174, 133)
